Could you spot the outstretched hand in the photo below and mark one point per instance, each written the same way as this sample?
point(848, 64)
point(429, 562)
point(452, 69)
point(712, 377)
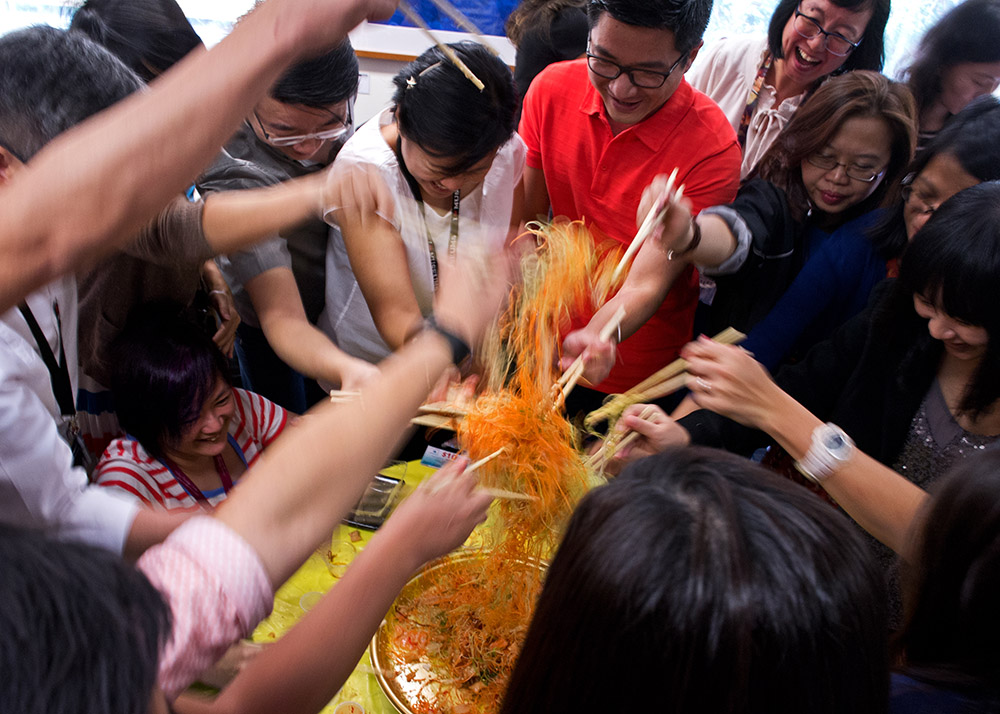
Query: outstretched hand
point(442, 512)
point(656, 430)
point(674, 230)
point(727, 380)
point(598, 355)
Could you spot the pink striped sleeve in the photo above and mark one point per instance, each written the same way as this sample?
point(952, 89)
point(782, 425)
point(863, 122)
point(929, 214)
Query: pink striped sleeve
point(217, 590)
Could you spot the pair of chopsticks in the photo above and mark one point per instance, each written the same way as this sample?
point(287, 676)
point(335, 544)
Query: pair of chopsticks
point(461, 20)
point(574, 372)
point(666, 381)
point(656, 213)
point(616, 442)
point(339, 396)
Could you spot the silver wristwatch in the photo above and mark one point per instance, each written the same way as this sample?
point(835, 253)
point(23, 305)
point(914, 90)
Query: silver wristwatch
point(830, 448)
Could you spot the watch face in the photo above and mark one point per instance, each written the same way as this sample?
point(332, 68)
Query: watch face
point(834, 442)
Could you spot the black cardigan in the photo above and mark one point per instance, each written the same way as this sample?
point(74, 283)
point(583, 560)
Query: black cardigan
point(869, 379)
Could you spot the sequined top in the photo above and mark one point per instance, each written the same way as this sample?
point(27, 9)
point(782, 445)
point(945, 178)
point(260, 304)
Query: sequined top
point(936, 441)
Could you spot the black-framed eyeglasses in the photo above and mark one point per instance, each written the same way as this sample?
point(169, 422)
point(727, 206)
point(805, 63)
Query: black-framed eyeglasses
point(642, 78)
point(836, 43)
point(858, 173)
point(909, 193)
point(325, 135)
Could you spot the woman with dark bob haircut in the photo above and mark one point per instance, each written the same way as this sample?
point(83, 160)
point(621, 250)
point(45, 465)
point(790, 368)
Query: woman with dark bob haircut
point(190, 434)
point(700, 582)
point(957, 60)
point(435, 175)
point(760, 84)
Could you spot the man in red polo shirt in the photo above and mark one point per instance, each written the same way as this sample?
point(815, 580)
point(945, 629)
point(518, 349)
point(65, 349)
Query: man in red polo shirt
point(598, 130)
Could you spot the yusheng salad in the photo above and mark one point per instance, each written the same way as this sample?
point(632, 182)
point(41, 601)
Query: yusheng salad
point(467, 621)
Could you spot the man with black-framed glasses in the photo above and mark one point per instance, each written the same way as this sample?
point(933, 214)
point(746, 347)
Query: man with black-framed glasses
point(278, 286)
point(598, 130)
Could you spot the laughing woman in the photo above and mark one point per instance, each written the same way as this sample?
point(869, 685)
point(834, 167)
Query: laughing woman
point(190, 434)
point(435, 175)
point(760, 82)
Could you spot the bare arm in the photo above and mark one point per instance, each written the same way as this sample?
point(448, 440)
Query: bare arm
point(149, 528)
point(646, 285)
point(294, 339)
point(233, 220)
point(312, 475)
point(288, 676)
point(377, 253)
point(536, 204)
point(145, 150)
point(880, 500)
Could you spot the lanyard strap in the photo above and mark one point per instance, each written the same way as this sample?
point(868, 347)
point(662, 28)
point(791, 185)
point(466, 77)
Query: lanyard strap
point(220, 468)
point(58, 372)
point(752, 98)
point(455, 204)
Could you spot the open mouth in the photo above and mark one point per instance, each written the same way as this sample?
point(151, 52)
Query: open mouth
point(805, 59)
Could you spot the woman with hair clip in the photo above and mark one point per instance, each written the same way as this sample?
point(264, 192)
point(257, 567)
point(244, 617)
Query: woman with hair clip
point(761, 82)
point(913, 382)
point(957, 60)
point(434, 176)
point(697, 583)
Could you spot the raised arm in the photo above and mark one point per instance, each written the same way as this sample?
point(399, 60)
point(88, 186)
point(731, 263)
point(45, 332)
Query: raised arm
point(312, 475)
point(145, 150)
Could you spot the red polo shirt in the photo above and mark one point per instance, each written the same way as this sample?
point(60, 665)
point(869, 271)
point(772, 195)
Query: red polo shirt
point(593, 175)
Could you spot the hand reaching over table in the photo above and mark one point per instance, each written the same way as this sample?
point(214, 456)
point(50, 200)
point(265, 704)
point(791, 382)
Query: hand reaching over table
point(727, 380)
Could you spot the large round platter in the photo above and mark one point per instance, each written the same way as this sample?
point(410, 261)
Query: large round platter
point(417, 682)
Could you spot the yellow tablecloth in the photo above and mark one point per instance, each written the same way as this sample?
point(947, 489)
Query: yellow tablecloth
point(318, 575)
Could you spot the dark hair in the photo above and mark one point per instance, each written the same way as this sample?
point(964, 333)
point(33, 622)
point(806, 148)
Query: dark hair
point(954, 260)
point(531, 14)
point(82, 629)
point(966, 33)
point(440, 110)
point(854, 95)
point(952, 585)
point(973, 137)
point(51, 81)
point(870, 53)
point(150, 36)
point(687, 19)
point(700, 582)
point(321, 81)
point(165, 366)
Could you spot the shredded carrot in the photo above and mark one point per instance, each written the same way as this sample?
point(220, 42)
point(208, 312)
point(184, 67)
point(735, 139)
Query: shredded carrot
point(476, 615)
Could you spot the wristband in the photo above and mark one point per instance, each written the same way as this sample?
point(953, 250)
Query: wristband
point(695, 242)
point(831, 447)
point(459, 348)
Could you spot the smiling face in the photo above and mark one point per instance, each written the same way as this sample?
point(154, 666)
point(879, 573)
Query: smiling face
point(961, 83)
point(634, 48)
point(207, 434)
point(433, 175)
point(961, 340)
point(940, 179)
point(273, 120)
point(861, 146)
point(806, 61)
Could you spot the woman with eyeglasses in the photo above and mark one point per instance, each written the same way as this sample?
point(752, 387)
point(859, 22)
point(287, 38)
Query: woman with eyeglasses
point(790, 256)
point(957, 60)
point(760, 82)
point(434, 176)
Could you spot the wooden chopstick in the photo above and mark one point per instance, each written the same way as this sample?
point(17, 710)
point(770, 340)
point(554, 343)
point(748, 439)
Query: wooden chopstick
point(504, 493)
point(625, 438)
point(412, 16)
point(663, 382)
point(486, 459)
point(462, 21)
point(574, 372)
point(648, 224)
